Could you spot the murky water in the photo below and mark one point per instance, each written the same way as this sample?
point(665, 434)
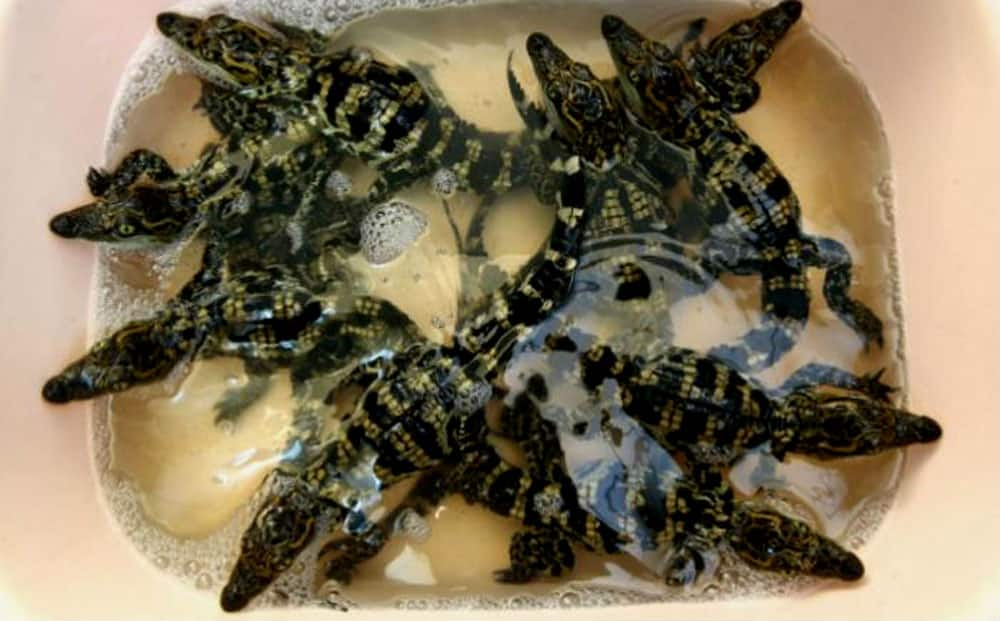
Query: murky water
point(179, 485)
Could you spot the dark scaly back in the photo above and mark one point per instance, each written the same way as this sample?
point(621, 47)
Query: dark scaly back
point(539, 502)
point(377, 111)
point(764, 211)
point(542, 286)
point(687, 401)
point(693, 403)
point(409, 414)
point(231, 113)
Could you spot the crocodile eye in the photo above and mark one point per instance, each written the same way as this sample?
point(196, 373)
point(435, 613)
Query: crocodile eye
point(125, 229)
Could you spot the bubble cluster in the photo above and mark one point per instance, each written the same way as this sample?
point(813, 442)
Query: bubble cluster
point(412, 525)
point(389, 229)
point(337, 186)
point(444, 183)
point(473, 397)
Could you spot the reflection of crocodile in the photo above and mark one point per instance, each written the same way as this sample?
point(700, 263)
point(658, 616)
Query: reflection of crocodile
point(420, 407)
point(763, 215)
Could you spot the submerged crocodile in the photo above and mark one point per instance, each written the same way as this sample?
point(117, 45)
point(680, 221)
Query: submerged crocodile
point(764, 215)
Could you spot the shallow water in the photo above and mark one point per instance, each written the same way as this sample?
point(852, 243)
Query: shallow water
point(178, 485)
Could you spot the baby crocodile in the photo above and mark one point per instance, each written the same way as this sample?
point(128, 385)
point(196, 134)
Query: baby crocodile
point(375, 111)
point(265, 317)
point(144, 199)
point(764, 213)
point(702, 407)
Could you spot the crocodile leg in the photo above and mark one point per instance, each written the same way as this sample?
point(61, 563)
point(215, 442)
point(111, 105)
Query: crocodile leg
point(535, 552)
point(136, 164)
point(347, 553)
point(834, 257)
point(537, 437)
point(235, 401)
point(819, 374)
point(538, 503)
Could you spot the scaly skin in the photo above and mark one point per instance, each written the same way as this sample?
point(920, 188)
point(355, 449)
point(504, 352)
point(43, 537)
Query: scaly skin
point(700, 406)
point(240, 174)
point(728, 64)
point(411, 414)
point(371, 110)
point(264, 317)
point(585, 115)
point(764, 212)
point(699, 514)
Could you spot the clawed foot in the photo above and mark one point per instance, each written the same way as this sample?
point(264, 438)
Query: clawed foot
point(98, 182)
point(872, 385)
point(347, 553)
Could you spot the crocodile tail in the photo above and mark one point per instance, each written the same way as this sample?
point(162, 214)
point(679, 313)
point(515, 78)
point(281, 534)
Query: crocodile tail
point(785, 310)
point(512, 492)
point(532, 294)
point(835, 258)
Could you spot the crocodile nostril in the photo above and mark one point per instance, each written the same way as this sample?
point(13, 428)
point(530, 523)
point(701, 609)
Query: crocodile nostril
point(165, 22)
point(537, 42)
point(55, 391)
point(792, 9)
point(63, 225)
point(611, 25)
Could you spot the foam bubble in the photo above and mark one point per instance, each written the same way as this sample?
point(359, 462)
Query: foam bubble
point(337, 186)
point(444, 183)
point(389, 229)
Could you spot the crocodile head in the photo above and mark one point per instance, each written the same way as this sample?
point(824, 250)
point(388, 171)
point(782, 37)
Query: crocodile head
point(578, 104)
point(768, 540)
point(829, 426)
point(653, 79)
point(280, 531)
point(734, 56)
point(255, 61)
point(750, 43)
point(142, 351)
point(140, 213)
